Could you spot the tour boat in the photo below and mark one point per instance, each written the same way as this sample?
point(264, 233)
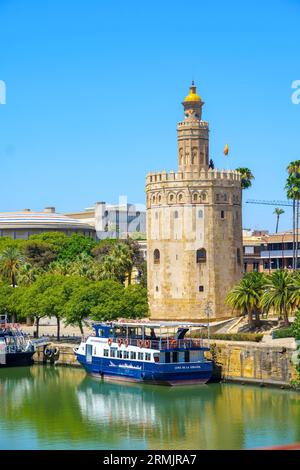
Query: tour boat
point(146, 352)
point(16, 349)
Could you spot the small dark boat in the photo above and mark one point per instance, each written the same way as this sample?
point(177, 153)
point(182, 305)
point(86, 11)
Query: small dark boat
point(16, 348)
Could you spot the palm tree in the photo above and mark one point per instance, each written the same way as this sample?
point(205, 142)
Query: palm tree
point(246, 177)
point(61, 267)
point(293, 192)
point(84, 266)
point(117, 264)
point(246, 296)
point(279, 293)
point(278, 213)
point(27, 274)
point(11, 261)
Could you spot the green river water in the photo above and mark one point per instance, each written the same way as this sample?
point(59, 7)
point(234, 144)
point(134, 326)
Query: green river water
point(63, 408)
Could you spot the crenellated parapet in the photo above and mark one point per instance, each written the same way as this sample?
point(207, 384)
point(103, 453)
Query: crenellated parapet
point(202, 175)
point(193, 187)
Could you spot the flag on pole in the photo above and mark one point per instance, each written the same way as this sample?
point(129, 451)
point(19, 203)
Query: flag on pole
point(226, 149)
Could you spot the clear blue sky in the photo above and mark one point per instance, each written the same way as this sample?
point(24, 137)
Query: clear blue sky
point(94, 91)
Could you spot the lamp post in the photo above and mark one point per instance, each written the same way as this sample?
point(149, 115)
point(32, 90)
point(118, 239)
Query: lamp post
point(208, 311)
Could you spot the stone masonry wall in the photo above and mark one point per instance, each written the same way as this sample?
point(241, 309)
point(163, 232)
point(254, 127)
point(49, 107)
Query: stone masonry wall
point(252, 362)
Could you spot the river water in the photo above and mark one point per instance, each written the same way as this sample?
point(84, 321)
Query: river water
point(63, 408)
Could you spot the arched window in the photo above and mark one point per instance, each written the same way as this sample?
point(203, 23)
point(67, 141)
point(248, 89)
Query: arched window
point(176, 215)
point(201, 255)
point(180, 198)
point(200, 214)
point(153, 199)
point(195, 197)
point(156, 256)
point(171, 198)
point(203, 196)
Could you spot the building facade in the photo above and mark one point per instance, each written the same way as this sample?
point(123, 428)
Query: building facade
point(264, 252)
point(120, 220)
point(194, 228)
point(23, 224)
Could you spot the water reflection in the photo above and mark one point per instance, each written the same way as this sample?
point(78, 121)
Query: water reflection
point(48, 407)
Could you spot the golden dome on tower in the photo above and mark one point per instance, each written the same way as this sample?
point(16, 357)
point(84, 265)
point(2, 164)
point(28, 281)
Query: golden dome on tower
point(192, 96)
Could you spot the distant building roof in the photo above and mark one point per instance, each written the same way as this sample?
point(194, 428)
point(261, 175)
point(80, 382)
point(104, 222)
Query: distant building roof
point(44, 219)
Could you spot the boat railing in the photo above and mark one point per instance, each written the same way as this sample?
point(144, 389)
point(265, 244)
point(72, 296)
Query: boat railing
point(164, 343)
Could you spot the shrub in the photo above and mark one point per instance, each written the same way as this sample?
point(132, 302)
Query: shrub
point(238, 336)
point(286, 332)
point(296, 326)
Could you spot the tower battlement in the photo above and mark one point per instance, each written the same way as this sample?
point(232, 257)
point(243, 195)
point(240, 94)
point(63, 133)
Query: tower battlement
point(195, 175)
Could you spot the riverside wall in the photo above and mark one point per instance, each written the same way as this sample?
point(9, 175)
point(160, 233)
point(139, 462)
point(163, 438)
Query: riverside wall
point(244, 362)
point(65, 356)
point(252, 362)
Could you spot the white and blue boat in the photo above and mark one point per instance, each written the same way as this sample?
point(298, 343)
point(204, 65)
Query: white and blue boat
point(166, 353)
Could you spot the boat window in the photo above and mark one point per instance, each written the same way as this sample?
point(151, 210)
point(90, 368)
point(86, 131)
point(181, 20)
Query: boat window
point(156, 357)
point(140, 356)
point(119, 354)
point(174, 356)
point(167, 357)
point(105, 352)
point(113, 352)
point(133, 355)
point(126, 355)
point(147, 357)
point(186, 356)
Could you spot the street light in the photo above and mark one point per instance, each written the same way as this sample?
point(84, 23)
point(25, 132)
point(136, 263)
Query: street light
point(208, 311)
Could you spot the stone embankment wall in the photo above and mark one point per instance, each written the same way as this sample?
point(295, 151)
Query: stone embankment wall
point(65, 356)
point(252, 362)
point(234, 361)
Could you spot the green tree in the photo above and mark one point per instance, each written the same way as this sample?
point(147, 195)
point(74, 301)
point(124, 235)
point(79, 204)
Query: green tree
point(296, 326)
point(293, 192)
point(278, 213)
point(103, 248)
point(279, 294)
point(117, 264)
point(11, 260)
point(84, 266)
point(78, 308)
point(6, 292)
point(135, 302)
point(246, 177)
point(39, 254)
point(28, 274)
point(61, 267)
point(107, 300)
point(75, 245)
point(246, 296)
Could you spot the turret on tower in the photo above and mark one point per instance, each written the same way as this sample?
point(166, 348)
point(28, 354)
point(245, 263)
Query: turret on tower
point(193, 151)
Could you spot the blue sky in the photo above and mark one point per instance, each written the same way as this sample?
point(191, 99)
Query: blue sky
point(94, 92)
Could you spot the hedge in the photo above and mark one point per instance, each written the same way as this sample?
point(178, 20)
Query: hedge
point(238, 336)
point(286, 332)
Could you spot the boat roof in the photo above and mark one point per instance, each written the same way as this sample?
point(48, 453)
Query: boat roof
point(152, 324)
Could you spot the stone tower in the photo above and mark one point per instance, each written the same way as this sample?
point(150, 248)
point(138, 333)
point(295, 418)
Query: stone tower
point(194, 227)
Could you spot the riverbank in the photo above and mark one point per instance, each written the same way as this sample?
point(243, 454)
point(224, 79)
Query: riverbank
point(262, 363)
point(235, 361)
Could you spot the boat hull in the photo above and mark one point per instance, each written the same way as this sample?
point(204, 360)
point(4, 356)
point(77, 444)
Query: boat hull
point(152, 373)
point(17, 359)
